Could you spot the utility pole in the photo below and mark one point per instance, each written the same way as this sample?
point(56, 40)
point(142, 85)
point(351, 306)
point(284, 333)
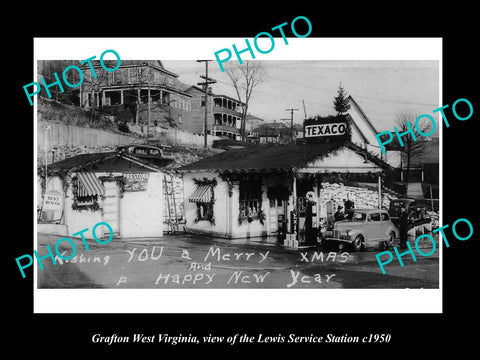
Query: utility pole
point(47, 127)
point(291, 122)
point(379, 192)
point(205, 84)
point(148, 122)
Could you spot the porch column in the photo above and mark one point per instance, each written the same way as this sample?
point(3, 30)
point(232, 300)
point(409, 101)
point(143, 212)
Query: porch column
point(121, 97)
point(229, 228)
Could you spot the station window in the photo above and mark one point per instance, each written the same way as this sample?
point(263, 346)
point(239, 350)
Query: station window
point(250, 196)
point(204, 210)
point(203, 197)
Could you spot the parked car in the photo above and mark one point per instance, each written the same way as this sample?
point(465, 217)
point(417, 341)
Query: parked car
point(149, 153)
point(365, 228)
point(142, 150)
point(416, 211)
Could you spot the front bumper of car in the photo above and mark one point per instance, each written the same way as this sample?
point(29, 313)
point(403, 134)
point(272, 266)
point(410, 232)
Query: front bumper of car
point(339, 235)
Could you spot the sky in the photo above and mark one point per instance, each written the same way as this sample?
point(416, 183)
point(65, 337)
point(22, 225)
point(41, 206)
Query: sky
point(385, 76)
point(383, 88)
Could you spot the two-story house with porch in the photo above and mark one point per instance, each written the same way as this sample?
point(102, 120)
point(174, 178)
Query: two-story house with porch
point(224, 114)
point(129, 87)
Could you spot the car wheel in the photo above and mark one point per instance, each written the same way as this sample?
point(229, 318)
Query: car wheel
point(390, 240)
point(357, 243)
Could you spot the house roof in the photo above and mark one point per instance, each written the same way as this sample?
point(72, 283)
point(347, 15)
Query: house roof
point(276, 131)
point(429, 155)
point(228, 97)
point(251, 117)
point(273, 129)
point(273, 125)
point(210, 93)
point(106, 162)
point(273, 158)
point(367, 120)
point(200, 90)
point(298, 127)
point(156, 64)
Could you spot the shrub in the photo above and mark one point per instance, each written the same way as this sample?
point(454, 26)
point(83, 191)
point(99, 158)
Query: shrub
point(123, 127)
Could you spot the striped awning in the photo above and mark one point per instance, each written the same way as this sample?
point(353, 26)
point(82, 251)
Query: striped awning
point(203, 193)
point(89, 185)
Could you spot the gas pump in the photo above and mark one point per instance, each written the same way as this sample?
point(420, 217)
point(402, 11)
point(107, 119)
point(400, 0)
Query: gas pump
point(310, 219)
point(329, 221)
point(282, 227)
point(332, 207)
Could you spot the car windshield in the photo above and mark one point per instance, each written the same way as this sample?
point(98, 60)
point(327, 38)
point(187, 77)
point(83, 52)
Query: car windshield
point(358, 216)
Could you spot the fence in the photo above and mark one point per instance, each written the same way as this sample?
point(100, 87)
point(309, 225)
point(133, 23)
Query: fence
point(177, 137)
point(60, 134)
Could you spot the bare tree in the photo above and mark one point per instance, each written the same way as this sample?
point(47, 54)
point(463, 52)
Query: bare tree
point(92, 84)
point(139, 76)
point(47, 69)
point(412, 147)
point(245, 77)
point(142, 76)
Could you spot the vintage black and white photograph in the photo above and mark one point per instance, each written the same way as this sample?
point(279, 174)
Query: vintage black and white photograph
point(219, 179)
point(173, 174)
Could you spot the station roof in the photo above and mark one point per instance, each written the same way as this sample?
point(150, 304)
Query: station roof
point(106, 162)
point(273, 158)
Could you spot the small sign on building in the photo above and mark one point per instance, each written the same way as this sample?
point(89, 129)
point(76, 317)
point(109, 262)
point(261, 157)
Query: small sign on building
point(135, 181)
point(53, 201)
point(52, 207)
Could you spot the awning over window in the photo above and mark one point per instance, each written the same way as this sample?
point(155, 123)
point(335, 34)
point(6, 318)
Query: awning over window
point(89, 185)
point(203, 193)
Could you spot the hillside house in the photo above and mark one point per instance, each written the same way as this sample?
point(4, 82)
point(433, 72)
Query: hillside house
point(276, 133)
point(129, 87)
point(224, 114)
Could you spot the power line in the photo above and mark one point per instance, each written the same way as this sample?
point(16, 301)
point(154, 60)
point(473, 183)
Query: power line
point(359, 96)
point(316, 105)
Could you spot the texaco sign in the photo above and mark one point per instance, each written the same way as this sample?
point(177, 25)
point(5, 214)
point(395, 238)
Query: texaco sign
point(319, 130)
